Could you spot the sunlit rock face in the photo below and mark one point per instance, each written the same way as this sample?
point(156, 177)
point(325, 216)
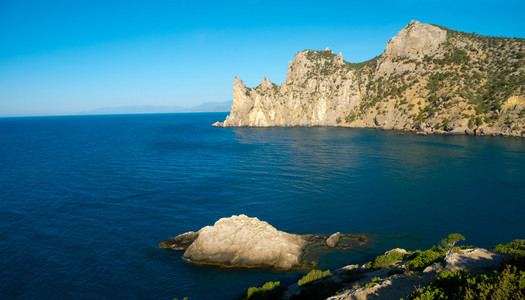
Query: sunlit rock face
point(428, 80)
point(241, 241)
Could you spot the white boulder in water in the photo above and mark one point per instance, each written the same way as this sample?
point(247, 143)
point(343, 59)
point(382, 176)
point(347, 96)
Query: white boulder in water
point(242, 241)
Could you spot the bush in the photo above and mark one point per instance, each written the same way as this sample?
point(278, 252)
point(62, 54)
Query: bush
point(516, 247)
point(445, 285)
point(313, 275)
point(385, 261)
point(270, 290)
point(320, 289)
point(506, 284)
point(471, 123)
point(421, 260)
point(373, 282)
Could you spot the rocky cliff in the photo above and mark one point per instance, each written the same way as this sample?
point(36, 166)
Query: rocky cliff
point(429, 79)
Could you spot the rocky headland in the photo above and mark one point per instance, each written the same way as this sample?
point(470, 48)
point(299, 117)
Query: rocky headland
point(241, 241)
point(430, 79)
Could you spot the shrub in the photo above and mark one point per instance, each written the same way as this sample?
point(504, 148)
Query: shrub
point(471, 123)
point(446, 121)
point(269, 290)
point(373, 282)
point(507, 284)
point(423, 259)
point(446, 283)
point(516, 247)
point(479, 121)
point(350, 118)
point(313, 275)
point(384, 261)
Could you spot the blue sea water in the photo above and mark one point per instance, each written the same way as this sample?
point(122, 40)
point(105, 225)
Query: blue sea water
point(84, 200)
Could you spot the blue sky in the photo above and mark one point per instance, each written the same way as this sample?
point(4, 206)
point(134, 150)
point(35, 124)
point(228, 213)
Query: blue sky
point(65, 57)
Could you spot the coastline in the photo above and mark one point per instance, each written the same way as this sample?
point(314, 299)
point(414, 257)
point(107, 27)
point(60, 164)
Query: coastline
point(472, 132)
point(428, 80)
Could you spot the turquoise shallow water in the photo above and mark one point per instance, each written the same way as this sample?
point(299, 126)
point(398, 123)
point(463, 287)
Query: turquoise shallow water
point(85, 199)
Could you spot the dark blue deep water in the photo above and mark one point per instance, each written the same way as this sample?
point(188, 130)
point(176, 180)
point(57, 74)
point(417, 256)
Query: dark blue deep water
point(84, 200)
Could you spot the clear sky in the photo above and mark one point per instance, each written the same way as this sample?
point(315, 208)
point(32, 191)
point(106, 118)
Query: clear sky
point(65, 57)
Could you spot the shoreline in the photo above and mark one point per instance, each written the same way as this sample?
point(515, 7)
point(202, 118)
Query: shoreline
point(465, 132)
point(412, 275)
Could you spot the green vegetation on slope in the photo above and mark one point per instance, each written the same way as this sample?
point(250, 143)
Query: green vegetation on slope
point(385, 261)
point(508, 283)
point(505, 283)
point(270, 290)
point(313, 275)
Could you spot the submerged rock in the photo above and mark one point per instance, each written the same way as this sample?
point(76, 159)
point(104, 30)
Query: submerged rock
point(180, 242)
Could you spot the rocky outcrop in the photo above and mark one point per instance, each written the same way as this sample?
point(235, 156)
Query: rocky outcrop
point(476, 261)
point(380, 284)
point(429, 80)
point(386, 287)
point(416, 40)
point(241, 241)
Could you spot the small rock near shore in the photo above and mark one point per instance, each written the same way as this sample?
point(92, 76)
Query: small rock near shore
point(333, 240)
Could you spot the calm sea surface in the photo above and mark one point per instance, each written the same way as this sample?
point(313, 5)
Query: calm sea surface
point(84, 200)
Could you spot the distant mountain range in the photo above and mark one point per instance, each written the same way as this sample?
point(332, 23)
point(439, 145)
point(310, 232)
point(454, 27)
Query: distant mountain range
point(151, 109)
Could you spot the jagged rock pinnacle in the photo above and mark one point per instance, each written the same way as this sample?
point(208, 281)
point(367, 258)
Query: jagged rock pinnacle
point(266, 84)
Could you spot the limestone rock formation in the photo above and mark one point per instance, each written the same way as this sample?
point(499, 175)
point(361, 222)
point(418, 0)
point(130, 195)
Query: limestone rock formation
point(241, 241)
point(429, 79)
point(475, 260)
point(416, 40)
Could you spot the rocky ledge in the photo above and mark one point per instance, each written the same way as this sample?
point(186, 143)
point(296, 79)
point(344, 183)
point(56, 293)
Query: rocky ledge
point(241, 241)
point(442, 272)
point(393, 283)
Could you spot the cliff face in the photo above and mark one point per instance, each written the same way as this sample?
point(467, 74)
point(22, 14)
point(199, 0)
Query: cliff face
point(429, 79)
